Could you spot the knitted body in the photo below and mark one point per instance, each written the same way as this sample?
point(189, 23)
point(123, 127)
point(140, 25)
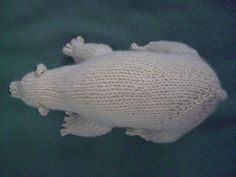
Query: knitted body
point(157, 92)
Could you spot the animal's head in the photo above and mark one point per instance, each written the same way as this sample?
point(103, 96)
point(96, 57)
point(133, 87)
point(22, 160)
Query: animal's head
point(28, 89)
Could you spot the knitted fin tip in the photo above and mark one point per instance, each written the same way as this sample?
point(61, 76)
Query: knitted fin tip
point(79, 126)
point(156, 136)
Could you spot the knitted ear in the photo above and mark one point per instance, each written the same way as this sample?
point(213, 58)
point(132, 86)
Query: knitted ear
point(43, 111)
point(40, 69)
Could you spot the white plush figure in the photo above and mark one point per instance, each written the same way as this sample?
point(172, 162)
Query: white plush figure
point(158, 92)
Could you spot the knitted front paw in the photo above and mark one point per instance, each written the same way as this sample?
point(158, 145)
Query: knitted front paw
point(70, 47)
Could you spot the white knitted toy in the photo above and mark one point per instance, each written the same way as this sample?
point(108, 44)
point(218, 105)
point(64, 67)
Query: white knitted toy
point(158, 92)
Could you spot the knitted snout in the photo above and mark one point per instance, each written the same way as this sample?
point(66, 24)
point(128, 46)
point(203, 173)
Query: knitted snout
point(14, 90)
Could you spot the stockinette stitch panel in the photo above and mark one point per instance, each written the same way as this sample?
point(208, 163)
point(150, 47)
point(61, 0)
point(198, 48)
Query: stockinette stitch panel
point(159, 91)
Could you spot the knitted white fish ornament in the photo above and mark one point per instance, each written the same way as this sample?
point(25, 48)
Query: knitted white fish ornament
point(159, 91)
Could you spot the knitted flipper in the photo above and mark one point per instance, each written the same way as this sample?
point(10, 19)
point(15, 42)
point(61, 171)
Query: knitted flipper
point(81, 51)
point(77, 125)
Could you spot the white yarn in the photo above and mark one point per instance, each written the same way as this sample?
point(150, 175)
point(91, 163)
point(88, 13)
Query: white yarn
point(157, 92)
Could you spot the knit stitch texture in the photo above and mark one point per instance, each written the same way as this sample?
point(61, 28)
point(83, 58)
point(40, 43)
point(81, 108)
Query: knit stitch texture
point(158, 92)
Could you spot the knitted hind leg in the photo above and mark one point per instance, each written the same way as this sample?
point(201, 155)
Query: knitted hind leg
point(166, 47)
point(157, 136)
point(81, 51)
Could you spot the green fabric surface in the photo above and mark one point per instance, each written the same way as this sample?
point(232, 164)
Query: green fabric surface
point(33, 32)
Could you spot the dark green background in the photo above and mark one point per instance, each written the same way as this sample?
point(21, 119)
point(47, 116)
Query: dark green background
point(33, 31)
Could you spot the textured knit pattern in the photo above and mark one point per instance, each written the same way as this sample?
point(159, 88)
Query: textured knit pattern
point(158, 93)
